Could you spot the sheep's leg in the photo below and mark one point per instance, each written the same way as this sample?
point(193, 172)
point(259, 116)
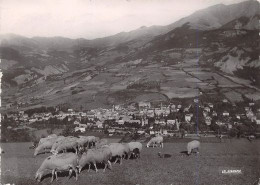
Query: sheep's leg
point(162, 145)
point(79, 169)
point(116, 160)
point(76, 171)
point(89, 167)
point(56, 174)
point(95, 167)
point(110, 165)
point(105, 167)
point(70, 173)
point(129, 155)
point(52, 175)
point(121, 159)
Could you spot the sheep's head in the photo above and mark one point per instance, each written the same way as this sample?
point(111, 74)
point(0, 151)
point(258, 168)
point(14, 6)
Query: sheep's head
point(38, 176)
point(36, 151)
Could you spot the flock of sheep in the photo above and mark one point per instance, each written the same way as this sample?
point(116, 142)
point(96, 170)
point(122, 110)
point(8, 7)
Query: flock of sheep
point(75, 153)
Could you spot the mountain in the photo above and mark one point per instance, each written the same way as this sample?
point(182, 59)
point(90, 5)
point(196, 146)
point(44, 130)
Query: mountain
point(214, 49)
point(218, 15)
point(210, 18)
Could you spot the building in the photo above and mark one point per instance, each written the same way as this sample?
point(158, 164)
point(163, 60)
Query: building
point(144, 105)
point(208, 120)
point(188, 117)
point(211, 105)
point(249, 114)
point(214, 113)
point(219, 123)
point(121, 122)
point(207, 109)
point(171, 122)
point(225, 101)
point(225, 113)
point(81, 129)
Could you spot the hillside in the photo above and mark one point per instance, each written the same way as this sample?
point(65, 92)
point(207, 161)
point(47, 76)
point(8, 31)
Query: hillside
point(150, 63)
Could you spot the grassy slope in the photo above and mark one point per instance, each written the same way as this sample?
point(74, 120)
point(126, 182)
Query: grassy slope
point(19, 166)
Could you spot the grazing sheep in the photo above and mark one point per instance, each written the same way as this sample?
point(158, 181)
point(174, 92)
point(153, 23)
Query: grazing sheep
point(127, 151)
point(134, 145)
point(101, 143)
point(83, 141)
point(58, 163)
point(155, 140)
point(61, 140)
point(44, 146)
point(42, 140)
point(118, 151)
point(164, 155)
point(136, 153)
point(91, 140)
point(251, 138)
point(66, 145)
point(93, 156)
point(191, 146)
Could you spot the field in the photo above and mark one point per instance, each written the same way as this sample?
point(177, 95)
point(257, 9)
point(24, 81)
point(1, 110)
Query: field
point(18, 166)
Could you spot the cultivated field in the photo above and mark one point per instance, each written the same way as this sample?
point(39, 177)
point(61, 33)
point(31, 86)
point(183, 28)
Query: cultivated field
point(18, 166)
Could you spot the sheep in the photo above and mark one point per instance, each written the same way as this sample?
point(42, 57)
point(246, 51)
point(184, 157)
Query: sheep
point(57, 163)
point(66, 145)
point(251, 138)
point(192, 146)
point(155, 140)
point(101, 143)
point(93, 156)
point(134, 145)
point(42, 140)
point(61, 140)
point(118, 151)
point(91, 140)
point(46, 145)
point(127, 150)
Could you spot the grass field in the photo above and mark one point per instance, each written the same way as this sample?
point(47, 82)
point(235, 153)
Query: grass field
point(18, 166)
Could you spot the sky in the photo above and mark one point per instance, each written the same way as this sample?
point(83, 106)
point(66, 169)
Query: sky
point(92, 18)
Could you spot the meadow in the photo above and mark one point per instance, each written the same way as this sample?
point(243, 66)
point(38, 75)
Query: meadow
point(18, 165)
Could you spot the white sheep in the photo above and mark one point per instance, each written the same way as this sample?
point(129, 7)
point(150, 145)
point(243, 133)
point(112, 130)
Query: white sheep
point(58, 163)
point(155, 140)
point(192, 146)
point(66, 145)
point(101, 143)
point(94, 156)
point(127, 150)
point(118, 151)
point(42, 140)
point(61, 140)
point(134, 145)
point(44, 146)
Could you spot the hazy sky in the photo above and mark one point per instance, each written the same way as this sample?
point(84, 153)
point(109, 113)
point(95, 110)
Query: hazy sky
point(92, 18)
